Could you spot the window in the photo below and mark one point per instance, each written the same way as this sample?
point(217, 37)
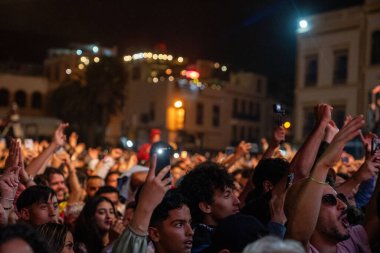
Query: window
point(311, 72)
point(242, 133)
point(36, 100)
point(20, 98)
point(4, 97)
point(199, 114)
point(250, 109)
point(340, 66)
point(243, 107)
point(308, 124)
point(375, 48)
point(339, 114)
point(234, 107)
point(215, 116)
point(256, 111)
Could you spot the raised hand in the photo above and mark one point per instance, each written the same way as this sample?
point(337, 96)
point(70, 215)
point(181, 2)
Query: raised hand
point(331, 131)
point(242, 149)
point(369, 168)
point(323, 113)
point(59, 138)
point(278, 136)
point(349, 131)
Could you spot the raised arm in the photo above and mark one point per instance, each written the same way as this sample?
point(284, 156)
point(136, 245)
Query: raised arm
point(302, 202)
point(277, 138)
point(304, 159)
point(58, 141)
point(151, 195)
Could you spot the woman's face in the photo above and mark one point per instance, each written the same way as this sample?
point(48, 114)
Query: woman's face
point(69, 244)
point(104, 216)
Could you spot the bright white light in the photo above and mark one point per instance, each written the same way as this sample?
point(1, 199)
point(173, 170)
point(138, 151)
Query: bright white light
point(155, 79)
point(81, 66)
point(79, 52)
point(127, 58)
point(180, 59)
point(303, 24)
point(171, 78)
point(170, 57)
point(176, 155)
point(129, 144)
point(224, 68)
point(138, 56)
point(95, 49)
point(178, 104)
point(155, 56)
point(68, 71)
point(83, 59)
point(160, 151)
point(96, 59)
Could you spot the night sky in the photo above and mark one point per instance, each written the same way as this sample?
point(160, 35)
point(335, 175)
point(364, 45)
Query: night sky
point(256, 35)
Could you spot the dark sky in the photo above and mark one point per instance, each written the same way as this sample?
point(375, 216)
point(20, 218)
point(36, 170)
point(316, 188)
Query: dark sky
point(257, 35)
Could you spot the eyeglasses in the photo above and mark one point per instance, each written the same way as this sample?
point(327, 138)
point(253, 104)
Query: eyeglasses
point(332, 200)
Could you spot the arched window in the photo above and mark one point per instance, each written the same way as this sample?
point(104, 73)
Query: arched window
point(20, 98)
point(36, 100)
point(4, 97)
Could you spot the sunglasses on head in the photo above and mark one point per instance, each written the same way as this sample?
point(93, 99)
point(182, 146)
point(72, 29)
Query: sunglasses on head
point(332, 200)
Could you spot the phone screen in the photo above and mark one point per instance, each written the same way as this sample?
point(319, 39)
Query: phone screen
point(163, 151)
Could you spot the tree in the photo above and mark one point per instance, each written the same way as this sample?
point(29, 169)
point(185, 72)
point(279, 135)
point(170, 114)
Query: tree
point(88, 104)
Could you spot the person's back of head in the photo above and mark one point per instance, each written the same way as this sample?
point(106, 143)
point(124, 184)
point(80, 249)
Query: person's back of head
point(170, 228)
point(268, 173)
point(21, 238)
point(200, 184)
point(271, 244)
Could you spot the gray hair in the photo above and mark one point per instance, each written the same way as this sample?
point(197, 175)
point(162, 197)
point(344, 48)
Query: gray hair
point(271, 244)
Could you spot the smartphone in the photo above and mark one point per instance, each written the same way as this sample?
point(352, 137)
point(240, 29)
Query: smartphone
point(163, 151)
point(28, 143)
point(230, 150)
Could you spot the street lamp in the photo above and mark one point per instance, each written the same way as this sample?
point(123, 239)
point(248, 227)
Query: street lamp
point(303, 26)
point(178, 104)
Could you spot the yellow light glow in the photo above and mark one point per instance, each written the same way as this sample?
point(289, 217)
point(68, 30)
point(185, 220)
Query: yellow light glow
point(83, 59)
point(216, 65)
point(224, 68)
point(155, 56)
point(68, 71)
point(127, 58)
point(81, 66)
point(149, 55)
point(170, 57)
point(171, 78)
point(180, 59)
point(183, 72)
point(96, 59)
point(287, 124)
point(155, 80)
point(165, 57)
point(168, 71)
point(178, 104)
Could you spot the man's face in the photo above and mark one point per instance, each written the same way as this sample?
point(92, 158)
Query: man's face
point(112, 180)
point(40, 213)
point(332, 220)
point(175, 233)
point(225, 204)
point(57, 183)
point(93, 186)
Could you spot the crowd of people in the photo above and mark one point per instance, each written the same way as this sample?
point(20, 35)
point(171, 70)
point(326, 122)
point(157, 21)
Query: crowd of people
point(63, 197)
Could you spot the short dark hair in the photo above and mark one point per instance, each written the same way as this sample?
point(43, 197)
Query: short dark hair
point(106, 189)
point(110, 174)
point(94, 177)
point(271, 169)
point(173, 199)
point(27, 234)
point(34, 194)
point(51, 171)
point(200, 184)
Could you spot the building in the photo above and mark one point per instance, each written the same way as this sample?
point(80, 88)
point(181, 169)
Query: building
point(200, 106)
point(24, 85)
point(338, 62)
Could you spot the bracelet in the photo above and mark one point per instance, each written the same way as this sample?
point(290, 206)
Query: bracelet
point(316, 181)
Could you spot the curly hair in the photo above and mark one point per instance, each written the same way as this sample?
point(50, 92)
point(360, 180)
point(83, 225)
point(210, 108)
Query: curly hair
point(200, 185)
